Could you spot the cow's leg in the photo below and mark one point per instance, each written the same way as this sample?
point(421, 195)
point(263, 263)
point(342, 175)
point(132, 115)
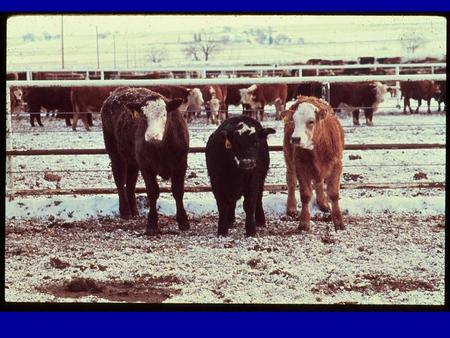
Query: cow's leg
point(259, 212)
point(120, 173)
point(405, 104)
point(208, 117)
point(85, 120)
point(356, 117)
point(250, 198)
point(38, 118)
point(333, 185)
point(231, 215)
point(178, 192)
point(261, 113)
point(67, 117)
point(223, 208)
point(368, 113)
point(152, 188)
point(305, 196)
point(419, 101)
point(32, 117)
point(429, 103)
point(321, 199)
point(132, 176)
point(90, 122)
point(291, 180)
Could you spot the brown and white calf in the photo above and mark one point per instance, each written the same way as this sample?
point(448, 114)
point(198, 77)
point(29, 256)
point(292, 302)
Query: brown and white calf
point(214, 97)
point(257, 96)
point(313, 146)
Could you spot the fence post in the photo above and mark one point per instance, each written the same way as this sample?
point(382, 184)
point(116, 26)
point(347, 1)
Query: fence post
point(9, 176)
point(326, 91)
point(397, 87)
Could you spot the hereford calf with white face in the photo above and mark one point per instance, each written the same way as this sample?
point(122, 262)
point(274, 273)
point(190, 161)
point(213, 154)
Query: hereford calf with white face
point(214, 97)
point(237, 158)
point(144, 131)
point(257, 96)
point(313, 146)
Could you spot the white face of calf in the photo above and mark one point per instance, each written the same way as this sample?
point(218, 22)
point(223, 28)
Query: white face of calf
point(156, 114)
point(304, 119)
point(18, 94)
point(381, 91)
point(247, 96)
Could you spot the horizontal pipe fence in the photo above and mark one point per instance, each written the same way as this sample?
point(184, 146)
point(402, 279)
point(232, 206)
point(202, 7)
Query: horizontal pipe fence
point(11, 192)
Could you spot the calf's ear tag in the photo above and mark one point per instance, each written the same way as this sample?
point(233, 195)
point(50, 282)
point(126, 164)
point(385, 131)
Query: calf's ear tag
point(135, 114)
point(227, 144)
point(285, 120)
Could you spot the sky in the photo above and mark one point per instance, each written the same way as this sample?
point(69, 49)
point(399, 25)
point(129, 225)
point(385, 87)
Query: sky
point(85, 24)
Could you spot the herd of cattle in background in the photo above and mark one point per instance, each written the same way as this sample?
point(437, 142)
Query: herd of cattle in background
point(71, 103)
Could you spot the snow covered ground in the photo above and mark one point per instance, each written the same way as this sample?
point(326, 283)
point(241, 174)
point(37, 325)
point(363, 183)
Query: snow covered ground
point(392, 251)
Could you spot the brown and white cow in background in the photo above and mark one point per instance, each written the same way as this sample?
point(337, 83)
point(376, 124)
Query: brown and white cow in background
point(353, 96)
point(313, 146)
point(214, 97)
point(257, 96)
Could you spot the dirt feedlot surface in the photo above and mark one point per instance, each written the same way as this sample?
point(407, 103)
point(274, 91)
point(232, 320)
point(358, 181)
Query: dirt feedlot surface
point(378, 259)
point(75, 249)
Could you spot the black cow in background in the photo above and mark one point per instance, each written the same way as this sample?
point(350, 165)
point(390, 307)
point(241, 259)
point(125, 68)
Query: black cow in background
point(441, 96)
point(53, 98)
point(237, 158)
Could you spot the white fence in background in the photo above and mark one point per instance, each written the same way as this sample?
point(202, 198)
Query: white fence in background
point(202, 71)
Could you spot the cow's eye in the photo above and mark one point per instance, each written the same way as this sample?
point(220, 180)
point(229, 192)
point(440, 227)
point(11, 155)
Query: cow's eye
point(310, 124)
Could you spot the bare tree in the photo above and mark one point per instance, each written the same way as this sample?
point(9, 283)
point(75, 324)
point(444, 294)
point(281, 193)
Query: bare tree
point(208, 46)
point(156, 54)
point(192, 51)
point(411, 41)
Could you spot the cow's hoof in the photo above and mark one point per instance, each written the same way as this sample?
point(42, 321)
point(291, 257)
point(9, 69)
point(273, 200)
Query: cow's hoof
point(153, 231)
point(222, 233)
point(292, 212)
point(125, 216)
point(250, 233)
point(323, 207)
point(304, 226)
point(339, 226)
point(260, 224)
point(184, 226)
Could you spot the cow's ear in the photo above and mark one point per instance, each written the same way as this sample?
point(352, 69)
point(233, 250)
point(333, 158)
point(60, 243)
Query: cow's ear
point(173, 104)
point(262, 133)
point(286, 116)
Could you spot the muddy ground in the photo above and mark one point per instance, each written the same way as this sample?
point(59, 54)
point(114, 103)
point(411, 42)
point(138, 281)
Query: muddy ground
point(379, 259)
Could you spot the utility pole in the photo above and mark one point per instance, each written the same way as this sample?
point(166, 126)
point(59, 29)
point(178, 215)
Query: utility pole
point(114, 47)
point(128, 61)
point(62, 42)
point(98, 57)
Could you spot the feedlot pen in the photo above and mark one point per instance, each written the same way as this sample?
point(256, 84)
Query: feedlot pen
point(74, 248)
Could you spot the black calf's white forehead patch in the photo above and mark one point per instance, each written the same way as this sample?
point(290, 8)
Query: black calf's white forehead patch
point(242, 128)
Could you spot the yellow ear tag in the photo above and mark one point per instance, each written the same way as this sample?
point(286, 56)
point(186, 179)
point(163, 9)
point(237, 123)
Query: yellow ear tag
point(227, 144)
point(135, 114)
point(285, 120)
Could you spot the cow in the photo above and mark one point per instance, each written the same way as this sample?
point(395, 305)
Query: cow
point(234, 98)
point(87, 100)
point(305, 89)
point(192, 98)
point(144, 131)
point(442, 95)
point(354, 95)
point(53, 98)
point(214, 97)
point(418, 90)
point(237, 159)
point(313, 145)
point(257, 96)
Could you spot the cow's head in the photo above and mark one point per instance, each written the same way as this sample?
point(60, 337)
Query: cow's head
point(380, 90)
point(248, 96)
point(213, 105)
point(194, 100)
point(304, 119)
point(17, 98)
point(244, 140)
point(155, 112)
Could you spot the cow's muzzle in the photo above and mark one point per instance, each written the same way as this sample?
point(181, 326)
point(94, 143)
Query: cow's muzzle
point(295, 140)
point(247, 164)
